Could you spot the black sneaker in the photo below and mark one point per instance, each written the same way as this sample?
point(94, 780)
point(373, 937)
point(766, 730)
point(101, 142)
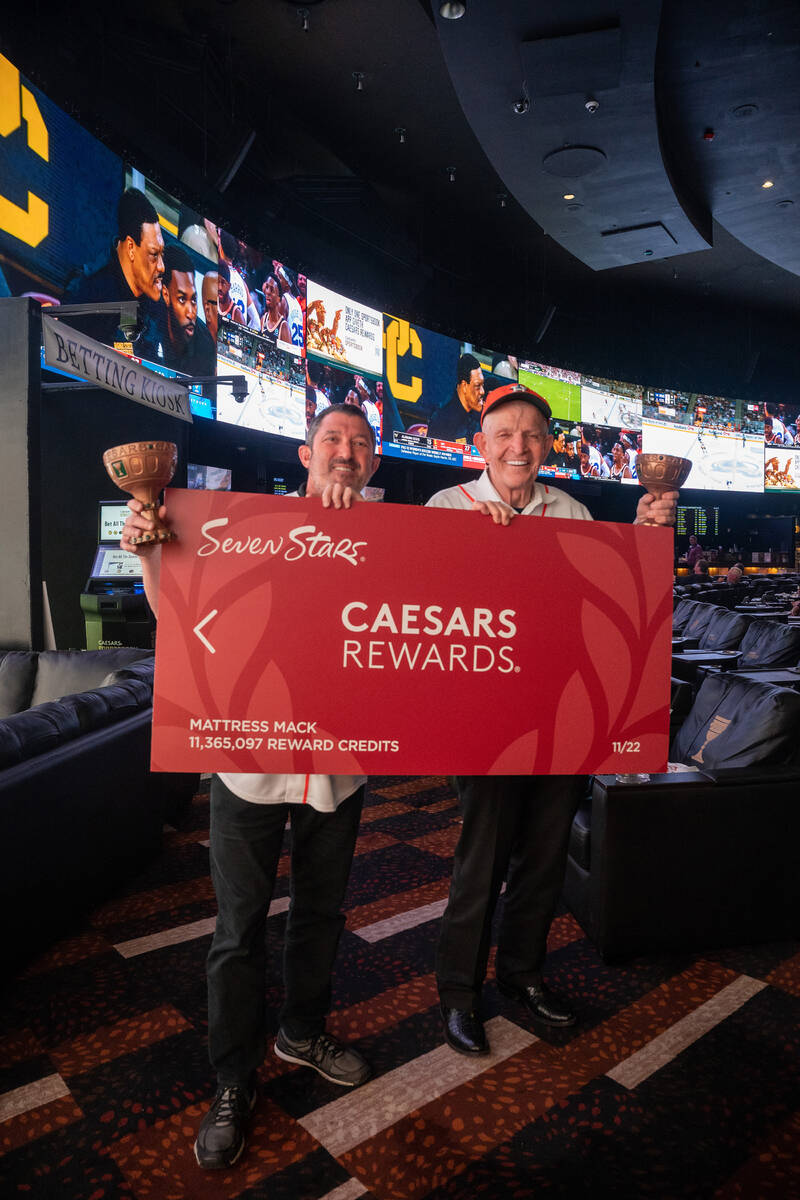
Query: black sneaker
point(220, 1138)
point(328, 1057)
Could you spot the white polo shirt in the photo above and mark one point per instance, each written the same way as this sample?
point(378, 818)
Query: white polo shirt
point(322, 792)
point(545, 501)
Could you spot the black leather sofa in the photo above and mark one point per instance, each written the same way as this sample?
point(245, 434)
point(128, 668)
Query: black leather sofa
point(79, 808)
point(699, 858)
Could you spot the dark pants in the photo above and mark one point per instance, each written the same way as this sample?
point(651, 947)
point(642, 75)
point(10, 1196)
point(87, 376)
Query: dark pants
point(516, 828)
point(245, 847)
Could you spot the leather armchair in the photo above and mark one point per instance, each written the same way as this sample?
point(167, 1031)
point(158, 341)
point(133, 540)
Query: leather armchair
point(702, 858)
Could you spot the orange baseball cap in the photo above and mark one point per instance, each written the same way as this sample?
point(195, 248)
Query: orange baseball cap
point(515, 391)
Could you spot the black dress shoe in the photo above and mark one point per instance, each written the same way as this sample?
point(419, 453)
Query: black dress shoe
point(464, 1031)
point(542, 1004)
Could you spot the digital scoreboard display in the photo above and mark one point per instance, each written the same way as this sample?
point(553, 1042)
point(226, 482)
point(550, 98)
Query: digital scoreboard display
point(694, 519)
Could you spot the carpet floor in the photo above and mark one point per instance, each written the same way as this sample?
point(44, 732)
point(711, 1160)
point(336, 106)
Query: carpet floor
point(682, 1078)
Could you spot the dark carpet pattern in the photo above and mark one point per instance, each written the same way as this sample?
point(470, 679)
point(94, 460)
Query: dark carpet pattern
point(682, 1078)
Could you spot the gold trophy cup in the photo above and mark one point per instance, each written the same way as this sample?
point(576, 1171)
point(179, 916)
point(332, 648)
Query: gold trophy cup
point(660, 473)
point(143, 469)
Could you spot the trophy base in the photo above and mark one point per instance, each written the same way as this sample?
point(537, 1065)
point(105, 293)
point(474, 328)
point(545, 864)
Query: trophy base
point(153, 535)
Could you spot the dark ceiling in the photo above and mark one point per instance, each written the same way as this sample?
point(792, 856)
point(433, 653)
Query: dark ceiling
point(384, 147)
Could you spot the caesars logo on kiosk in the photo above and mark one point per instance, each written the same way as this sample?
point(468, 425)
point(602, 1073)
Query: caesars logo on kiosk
point(447, 639)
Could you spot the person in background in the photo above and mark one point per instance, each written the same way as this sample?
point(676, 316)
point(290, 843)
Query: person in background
point(459, 419)
point(694, 552)
point(274, 324)
point(134, 271)
point(619, 466)
point(210, 297)
point(228, 248)
point(187, 344)
point(226, 306)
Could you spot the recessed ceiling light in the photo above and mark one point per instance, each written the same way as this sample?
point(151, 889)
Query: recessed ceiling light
point(569, 195)
point(767, 183)
point(451, 10)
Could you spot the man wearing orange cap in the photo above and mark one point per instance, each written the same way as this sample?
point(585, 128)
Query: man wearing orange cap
point(515, 828)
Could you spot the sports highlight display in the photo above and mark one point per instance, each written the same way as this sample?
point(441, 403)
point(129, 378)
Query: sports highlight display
point(209, 303)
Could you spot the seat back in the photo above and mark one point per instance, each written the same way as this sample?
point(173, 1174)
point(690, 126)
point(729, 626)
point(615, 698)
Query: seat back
point(737, 722)
point(770, 644)
point(701, 615)
point(724, 631)
point(683, 611)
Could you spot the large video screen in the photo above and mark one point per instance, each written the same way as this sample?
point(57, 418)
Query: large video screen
point(723, 438)
point(80, 226)
point(434, 390)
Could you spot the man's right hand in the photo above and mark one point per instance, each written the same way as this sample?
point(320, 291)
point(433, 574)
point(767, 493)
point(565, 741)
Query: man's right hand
point(340, 495)
point(500, 513)
point(136, 525)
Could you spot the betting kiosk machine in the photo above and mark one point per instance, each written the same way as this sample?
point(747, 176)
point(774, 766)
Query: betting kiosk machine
point(113, 600)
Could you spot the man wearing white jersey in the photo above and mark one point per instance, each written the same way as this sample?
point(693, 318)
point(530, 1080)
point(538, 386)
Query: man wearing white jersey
point(248, 816)
point(515, 827)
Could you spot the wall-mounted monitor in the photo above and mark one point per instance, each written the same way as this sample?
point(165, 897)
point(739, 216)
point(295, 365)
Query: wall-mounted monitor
point(110, 562)
point(210, 479)
point(433, 390)
point(112, 515)
point(697, 520)
point(781, 469)
point(723, 438)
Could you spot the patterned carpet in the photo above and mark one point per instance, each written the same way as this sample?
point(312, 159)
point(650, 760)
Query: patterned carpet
point(682, 1078)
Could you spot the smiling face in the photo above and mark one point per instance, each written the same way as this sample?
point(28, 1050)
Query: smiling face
point(180, 296)
point(514, 443)
point(340, 453)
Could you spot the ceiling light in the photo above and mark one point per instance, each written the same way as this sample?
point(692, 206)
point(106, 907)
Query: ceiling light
point(401, 135)
point(502, 199)
point(767, 183)
point(569, 195)
point(358, 80)
point(451, 174)
point(451, 10)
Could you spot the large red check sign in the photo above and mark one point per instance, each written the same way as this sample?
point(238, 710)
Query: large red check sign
point(397, 640)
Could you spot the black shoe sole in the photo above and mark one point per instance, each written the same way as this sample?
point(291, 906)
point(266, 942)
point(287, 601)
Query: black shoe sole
point(515, 994)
